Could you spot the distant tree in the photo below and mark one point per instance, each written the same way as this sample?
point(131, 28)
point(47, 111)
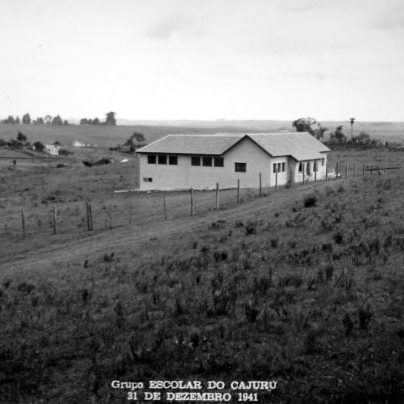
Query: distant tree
point(57, 120)
point(310, 125)
point(17, 120)
point(39, 121)
point(110, 119)
point(21, 137)
point(15, 144)
point(39, 146)
point(65, 122)
point(9, 119)
point(362, 139)
point(57, 143)
point(3, 143)
point(338, 136)
point(95, 121)
point(138, 136)
point(26, 119)
point(48, 119)
point(83, 121)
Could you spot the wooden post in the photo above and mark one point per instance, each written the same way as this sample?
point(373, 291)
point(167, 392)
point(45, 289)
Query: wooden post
point(192, 201)
point(89, 217)
point(346, 169)
point(315, 176)
point(165, 207)
point(110, 215)
point(90, 212)
point(336, 169)
point(238, 190)
point(217, 196)
point(303, 169)
point(23, 223)
point(260, 183)
point(355, 169)
point(130, 212)
point(54, 216)
point(276, 179)
point(326, 172)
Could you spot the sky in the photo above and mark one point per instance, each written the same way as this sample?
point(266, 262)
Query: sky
point(203, 59)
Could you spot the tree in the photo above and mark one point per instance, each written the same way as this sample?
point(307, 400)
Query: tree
point(38, 146)
point(48, 119)
point(338, 136)
point(39, 121)
point(65, 122)
point(57, 120)
point(110, 119)
point(21, 137)
point(83, 121)
point(138, 136)
point(9, 119)
point(26, 119)
point(17, 120)
point(95, 121)
point(310, 125)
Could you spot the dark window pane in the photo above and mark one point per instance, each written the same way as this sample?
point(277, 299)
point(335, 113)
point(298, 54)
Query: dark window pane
point(300, 167)
point(207, 161)
point(151, 159)
point(274, 167)
point(173, 160)
point(219, 162)
point(240, 167)
point(195, 161)
point(162, 159)
point(283, 167)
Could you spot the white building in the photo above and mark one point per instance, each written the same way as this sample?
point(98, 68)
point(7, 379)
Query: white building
point(201, 161)
point(51, 149)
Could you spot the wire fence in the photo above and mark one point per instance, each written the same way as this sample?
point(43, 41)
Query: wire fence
point(141, 208)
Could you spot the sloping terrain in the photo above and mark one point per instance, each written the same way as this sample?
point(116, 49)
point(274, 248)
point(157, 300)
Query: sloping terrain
point(304, 286)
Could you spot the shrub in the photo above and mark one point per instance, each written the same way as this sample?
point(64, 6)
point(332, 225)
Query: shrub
point(310, 201)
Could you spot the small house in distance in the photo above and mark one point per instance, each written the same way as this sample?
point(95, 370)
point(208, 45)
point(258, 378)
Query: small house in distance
point(201, 161)
point(52, 149)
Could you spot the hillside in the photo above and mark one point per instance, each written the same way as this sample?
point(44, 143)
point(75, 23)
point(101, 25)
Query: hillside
point(303, 286)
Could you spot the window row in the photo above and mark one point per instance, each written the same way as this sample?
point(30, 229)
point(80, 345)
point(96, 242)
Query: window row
point(207, 161)
point(162, 159)
point(308, 166)
point(279, 167)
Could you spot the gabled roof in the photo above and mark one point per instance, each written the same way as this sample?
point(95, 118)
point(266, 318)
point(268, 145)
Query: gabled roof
point(299, 145)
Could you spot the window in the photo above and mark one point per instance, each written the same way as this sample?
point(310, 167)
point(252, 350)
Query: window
point(300, 167)
point(279, 167)
point(308, 171)
point(173, 160)
point(283, 167)
point(322, 162)
point(240, 167)
point(219, 161)
point(275, 167)
point(151, 159)
point(147, 179)
point(162, 159)
point(207, 161)
point(315, 166)
point(195, 161)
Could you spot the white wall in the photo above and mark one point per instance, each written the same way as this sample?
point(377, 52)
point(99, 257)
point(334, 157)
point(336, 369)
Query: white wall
point(297, 176)
point(184, 176)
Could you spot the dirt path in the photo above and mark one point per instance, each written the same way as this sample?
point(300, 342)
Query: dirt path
point(124, 238)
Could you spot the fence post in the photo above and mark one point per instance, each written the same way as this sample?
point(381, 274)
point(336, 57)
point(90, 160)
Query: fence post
point(165, 207)
point(238, 190)
point(260, 183)
point(346, 169)
point(303, 169)
point(89, 217)
point(315, 176)
point(355, 169)
point(336, 171)
point(54, 216)
point(276, 179)
point(23, 223)
point(326, 172)
point(130, 212)
point(90, 211)
point(217, 196)
point(110, 216)
point(192, 201)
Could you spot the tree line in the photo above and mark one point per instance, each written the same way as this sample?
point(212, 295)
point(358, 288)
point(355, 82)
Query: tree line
point(57, 120)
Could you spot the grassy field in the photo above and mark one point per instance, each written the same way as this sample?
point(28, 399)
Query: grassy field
point(108, 136)
point(303, 285)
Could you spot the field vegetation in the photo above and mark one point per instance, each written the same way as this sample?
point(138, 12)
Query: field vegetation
point(303, 286)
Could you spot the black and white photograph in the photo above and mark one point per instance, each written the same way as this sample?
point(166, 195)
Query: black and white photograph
point(202, 201)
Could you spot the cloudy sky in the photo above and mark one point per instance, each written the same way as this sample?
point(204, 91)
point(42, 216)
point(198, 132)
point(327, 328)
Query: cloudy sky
point(203, 59)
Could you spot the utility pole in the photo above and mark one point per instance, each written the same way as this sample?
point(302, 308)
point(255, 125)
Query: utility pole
point(352, 120)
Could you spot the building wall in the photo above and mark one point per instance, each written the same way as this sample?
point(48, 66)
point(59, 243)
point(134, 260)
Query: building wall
point(184, 175)
point(297, 176)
